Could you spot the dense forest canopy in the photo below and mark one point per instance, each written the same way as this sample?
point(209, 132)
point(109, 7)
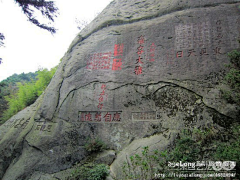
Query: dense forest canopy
point(9, 86)
point(20, 91)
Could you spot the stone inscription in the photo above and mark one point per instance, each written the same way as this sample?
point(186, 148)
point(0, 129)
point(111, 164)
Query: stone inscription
point(218, 38)
point(151, 52)
point(21, 123)
point(139, 61)
point(201, 40)
point(101, 97)
point(192, 46)
point(99, 116)
point(44, 126)
point(234, 24)
point(117, 61)
point(193, 40)
point(189, 36)
point(99, 61)
point(103, 61)
point(145, 116)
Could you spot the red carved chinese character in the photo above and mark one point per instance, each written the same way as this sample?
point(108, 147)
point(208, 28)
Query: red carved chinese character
point(106, 55)
point(191, 52)
point(103, 86)
point(152, 47)
point(108, 117)
point(102, 93)
point(87, 67)
point(179, 54)
point(152, 55)
point(94, 66)
point(100, 106)
point(141, 40)
point(116, 117)
point(98, 117)
point(117, 63)
point(138, 70)
point(100, 99)
point(82, 117)
point(139, 60)
point(118, 50)
point(140, 50)
point(88, 117)
point(99, 56)
point(204, 51)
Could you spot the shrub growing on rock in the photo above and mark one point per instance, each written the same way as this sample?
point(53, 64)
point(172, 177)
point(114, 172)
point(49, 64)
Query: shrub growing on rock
point(95, 145)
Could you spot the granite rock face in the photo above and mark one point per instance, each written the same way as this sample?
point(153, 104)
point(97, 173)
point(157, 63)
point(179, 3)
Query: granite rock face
point(137, 75)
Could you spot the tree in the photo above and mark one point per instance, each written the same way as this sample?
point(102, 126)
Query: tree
point(47, 9)
point(1, 43)
point(1, 39)
point(27, 93)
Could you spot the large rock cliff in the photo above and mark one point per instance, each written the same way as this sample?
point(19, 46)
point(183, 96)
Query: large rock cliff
point(135, 76)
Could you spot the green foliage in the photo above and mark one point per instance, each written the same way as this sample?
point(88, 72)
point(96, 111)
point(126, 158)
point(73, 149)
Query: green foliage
point(99, 172)
point(235, 58)
point(90, 172)
point(200, 146)
point(190, 148)
point(232, 78)
point(186, 150)
point(27, 93)
point(95, 145)
point(9, 87)
point(145, 165)
point(229, 151)
point(44, 77)
point(12, 80)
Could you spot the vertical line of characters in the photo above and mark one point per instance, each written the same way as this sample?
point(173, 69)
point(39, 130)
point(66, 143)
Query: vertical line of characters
point(139, 63)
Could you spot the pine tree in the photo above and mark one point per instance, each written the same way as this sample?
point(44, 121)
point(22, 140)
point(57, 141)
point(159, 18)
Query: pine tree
point(1, 39)
point(47, 9)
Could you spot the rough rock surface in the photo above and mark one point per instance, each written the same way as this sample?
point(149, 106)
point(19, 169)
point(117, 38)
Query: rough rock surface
point(137, 75)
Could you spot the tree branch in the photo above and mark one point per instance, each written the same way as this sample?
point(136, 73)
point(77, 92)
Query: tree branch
point(47, 9)
point(2, 37)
